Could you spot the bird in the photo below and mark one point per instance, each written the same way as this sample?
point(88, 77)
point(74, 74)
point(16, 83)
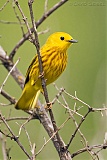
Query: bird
point(54, 61)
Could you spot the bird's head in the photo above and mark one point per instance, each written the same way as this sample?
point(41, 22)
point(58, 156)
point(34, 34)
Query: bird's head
point(61, 40)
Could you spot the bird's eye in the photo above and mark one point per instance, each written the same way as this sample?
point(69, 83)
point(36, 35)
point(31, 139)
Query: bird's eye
point(62, 38)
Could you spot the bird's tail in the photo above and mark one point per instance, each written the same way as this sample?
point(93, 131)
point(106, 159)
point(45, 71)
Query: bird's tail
point(28, 99)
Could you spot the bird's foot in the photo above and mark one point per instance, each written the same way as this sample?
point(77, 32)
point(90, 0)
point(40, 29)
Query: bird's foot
point(41, 75)
point(48, 106)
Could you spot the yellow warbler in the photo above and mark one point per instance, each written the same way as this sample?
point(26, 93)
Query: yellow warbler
point(54, 61)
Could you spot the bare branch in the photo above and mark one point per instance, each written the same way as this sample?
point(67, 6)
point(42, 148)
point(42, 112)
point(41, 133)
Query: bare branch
point(15, 138)
point(39, 22)
point(102, 146)
point(36, 43)
point(48, 13)
point(76, 98)
point(23, 16)
point(52, 136)
point(8, 22)
point(16, 118)
point(82, 120)
point(44, 119)
point(3, 142)
point(3, 84)
point(5, 4)
point(45, 6)
point(43, 32)
point(21, 26)
point(9, 65)
point(8, 97)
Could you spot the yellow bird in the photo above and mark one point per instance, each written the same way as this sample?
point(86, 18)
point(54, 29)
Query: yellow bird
point(54, 61)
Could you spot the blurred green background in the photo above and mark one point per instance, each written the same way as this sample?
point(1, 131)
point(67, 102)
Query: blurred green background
point(85, 72)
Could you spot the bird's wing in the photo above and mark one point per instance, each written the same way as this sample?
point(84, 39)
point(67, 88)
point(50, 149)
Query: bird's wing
point(35, 59)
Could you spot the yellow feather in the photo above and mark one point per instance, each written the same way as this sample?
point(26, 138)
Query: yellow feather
point(54, 60)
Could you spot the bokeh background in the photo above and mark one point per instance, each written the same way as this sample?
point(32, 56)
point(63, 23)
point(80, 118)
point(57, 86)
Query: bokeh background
point(85, 72)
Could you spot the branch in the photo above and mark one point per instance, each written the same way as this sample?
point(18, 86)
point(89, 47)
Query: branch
point(15, 138)
point(43, 82)
point(3, 143)
point(24, 18)
point(21, 26)
point(3, 84)
point(102, 146)
point(8, 64)
point(5, 4)
point(46, 122)
point(8, 97)
point(38, 23)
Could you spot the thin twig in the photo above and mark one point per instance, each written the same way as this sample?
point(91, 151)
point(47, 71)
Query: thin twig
point(24, 125)
point(102, 146)
point(4, 5)
point(16, 23)
point(8, 64)
point(43, 82)
point(17, 16)
point(2, 104)
point(61, 90)
point(59, 128)
point(3, 84)
point(16, 118)
point(58, 95)
point(84, 103)
point(36, 43)
point(43, 32)
point(15, 138)
point(81, 122)
point(45, 6)
point(38, 23)
point(76, 98)
point(24, 18)
point(8, 97)
point(3, 143)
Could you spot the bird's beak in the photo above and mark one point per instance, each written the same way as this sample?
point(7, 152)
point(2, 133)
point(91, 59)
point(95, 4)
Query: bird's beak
point(73, 41)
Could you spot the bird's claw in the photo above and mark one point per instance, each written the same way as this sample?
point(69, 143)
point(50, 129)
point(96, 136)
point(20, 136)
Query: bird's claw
point(48, 106)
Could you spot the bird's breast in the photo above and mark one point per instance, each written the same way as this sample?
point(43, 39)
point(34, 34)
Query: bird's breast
point(56, 64)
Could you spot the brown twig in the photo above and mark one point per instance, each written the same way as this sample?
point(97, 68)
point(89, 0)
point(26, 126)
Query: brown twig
point(43, 82)
point(3, 84)
point(8, 97)
point(4, 5)
point(59, 128)
point(23, 16)
point(15, 138)
point(84, 103)
point(101, 146)
point(38, 23)
point(44, 119)
point(16, 74)
point(10, 22)
point(17, 16)
point(3, 143)
point(81, 121)
point(16, 118)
